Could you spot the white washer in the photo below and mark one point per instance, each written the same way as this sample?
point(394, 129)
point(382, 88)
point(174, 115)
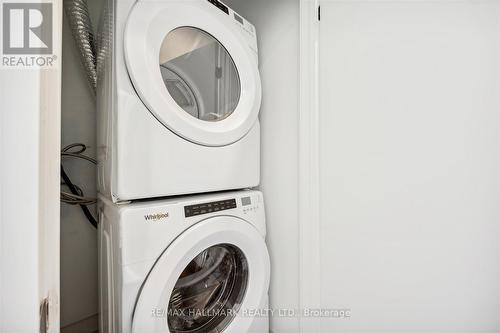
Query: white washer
point(195, 264)
point(179, 94)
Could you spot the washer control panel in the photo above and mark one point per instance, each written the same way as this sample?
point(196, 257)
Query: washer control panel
point(248, 205)
point(209, 207)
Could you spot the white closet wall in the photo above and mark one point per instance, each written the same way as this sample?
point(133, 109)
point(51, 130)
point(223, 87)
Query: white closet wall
point(277, 24)
point(79, 291)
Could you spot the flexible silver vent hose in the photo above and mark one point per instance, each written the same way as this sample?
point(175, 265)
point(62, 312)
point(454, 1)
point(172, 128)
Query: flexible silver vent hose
point(78, 17)
point(81, 27)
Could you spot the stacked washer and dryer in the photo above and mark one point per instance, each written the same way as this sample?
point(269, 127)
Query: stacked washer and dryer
point(179, 95)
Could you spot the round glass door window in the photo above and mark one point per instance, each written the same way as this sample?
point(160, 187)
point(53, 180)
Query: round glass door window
point(209, 292)
point(199, 74)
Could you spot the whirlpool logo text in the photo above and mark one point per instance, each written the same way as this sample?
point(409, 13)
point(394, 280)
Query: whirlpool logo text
point(156, 217)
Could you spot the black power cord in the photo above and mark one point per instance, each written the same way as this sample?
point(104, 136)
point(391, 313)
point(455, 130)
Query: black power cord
point(76, 196)
point(75, 191)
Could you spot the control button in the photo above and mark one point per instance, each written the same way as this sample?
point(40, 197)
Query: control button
point(209, 207)
point(238, 18)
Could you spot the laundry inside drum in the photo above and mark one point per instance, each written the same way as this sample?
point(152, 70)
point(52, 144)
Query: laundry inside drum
point(209, 291)
point(199, 74)
point(180, 91)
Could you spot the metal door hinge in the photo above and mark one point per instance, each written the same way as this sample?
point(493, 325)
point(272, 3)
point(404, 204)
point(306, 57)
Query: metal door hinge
point(44, 315)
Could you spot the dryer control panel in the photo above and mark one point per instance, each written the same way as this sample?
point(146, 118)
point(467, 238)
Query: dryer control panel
point(209, 207)
point(220, 5)
point(247, 28)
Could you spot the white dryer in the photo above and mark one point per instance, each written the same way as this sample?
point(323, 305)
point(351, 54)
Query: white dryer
point(179, 94)
point(195, 264)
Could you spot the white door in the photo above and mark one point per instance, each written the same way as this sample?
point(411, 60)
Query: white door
point(30, 128)
point(215, 269)
point(195, 72)
point(409, 165)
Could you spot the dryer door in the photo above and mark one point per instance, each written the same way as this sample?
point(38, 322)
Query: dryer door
point(210, 272)
point(192, 66)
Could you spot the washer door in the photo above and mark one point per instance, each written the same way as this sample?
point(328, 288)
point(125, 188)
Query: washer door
point(213, 270)
point(194, 72)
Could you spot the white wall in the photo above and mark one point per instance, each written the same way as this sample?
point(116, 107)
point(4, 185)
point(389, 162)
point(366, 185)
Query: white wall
point(79, 293)
point(277, 24)
point(409, 165)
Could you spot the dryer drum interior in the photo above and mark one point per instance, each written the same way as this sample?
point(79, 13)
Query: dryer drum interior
point(209, 291)
point(181, 91)
point(199, 74)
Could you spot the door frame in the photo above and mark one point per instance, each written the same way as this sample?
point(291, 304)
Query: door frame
point(30, 129)
point(309, 189)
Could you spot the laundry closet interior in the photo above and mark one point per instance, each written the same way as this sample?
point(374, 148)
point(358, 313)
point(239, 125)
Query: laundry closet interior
point(379, 159)
point(277, 27)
